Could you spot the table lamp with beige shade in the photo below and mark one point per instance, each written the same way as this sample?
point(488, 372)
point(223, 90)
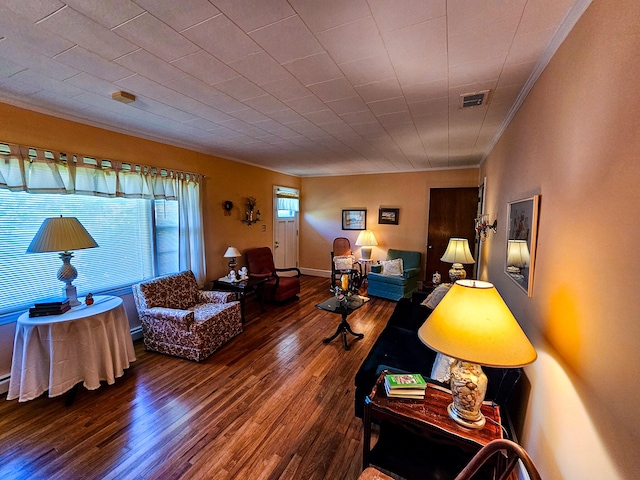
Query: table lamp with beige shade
point(457, 253)
point(517, 256)
point(473, 325)
point(232, 253)
point(366, 240)
point(63, 234)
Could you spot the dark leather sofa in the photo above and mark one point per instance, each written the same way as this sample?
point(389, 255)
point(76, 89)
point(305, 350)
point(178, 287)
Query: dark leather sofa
point(398, 348)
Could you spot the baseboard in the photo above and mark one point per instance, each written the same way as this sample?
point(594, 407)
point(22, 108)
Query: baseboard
point(4, 384)
point(314, 272)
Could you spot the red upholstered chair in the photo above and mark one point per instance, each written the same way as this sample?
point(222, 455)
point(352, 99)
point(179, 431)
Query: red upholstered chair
point(278, 288)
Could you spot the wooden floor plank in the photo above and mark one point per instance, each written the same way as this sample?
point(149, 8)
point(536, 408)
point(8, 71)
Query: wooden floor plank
point(275, 404)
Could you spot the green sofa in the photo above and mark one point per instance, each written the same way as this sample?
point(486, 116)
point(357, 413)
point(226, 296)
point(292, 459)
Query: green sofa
point(395, 287)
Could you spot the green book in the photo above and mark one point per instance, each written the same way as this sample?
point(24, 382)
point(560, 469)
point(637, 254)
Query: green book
point(405, 380)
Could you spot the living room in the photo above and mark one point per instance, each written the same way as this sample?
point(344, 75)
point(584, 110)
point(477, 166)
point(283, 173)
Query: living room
point(573, 141)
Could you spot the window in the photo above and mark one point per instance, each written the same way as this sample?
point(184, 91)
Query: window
point(137, 239)
point(286, 213)
point(287, 202)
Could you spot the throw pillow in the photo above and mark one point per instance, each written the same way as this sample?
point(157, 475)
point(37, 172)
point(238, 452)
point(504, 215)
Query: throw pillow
point(438, 294)
point(441, 370)
point(343, 262)
point(392, 267)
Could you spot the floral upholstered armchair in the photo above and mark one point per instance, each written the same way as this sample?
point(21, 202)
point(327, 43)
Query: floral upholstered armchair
point(181, 320)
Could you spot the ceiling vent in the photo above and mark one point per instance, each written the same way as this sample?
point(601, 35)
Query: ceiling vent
point(123, 97)
point(470, 100)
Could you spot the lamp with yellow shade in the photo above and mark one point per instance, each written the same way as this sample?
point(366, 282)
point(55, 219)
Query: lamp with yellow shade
point(473, 325)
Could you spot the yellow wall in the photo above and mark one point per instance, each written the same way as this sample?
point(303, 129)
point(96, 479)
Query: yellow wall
point(576, 141)
point(324, 198)
point(224, 179)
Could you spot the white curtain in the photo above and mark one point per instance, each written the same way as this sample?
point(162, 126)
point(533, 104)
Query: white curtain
point(191, 230)
point(43, 171)
point(287, 200)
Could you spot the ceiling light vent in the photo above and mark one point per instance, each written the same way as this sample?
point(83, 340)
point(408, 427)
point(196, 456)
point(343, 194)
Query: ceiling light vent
point(469, 100)
point(123, 97)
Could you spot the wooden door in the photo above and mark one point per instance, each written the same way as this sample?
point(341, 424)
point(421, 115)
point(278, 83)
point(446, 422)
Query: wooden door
point(285, 232)
point(451, 214)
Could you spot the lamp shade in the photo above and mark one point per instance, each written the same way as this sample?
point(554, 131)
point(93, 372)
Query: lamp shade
point(473, 324)
point(366, 238)
point(61, 234)
point(232, 252)
point(458, 251)
point(518, 253)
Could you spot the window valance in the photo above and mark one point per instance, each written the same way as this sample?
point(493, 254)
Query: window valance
point(37, 170)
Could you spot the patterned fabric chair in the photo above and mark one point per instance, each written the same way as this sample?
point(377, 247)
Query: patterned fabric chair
point(181, 320)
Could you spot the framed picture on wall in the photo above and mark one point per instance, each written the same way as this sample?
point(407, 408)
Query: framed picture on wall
point(388, 216)
point(522, 232)
point(354, 219)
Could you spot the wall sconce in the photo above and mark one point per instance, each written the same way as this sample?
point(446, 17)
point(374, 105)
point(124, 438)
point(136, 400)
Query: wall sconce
point(251, 215)
point(483, 227)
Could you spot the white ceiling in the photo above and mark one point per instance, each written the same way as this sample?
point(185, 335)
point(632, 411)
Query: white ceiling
point(306, 87)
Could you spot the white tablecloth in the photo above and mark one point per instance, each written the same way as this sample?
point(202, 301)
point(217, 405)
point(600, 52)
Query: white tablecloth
point(86, 344)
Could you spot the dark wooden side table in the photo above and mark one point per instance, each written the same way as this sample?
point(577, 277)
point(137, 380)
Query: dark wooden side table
point(241, 289)
point(428, 418)
point(345, 309)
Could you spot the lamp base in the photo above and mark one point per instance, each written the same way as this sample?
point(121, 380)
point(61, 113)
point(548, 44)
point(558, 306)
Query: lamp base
point(468, 387)
point(366, 253)
point(478, 424)
point(457, 272)
point(71, 293)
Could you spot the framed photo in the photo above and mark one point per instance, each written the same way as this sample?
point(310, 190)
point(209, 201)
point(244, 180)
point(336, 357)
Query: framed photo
point(354, 219)
point(388, 216)
point(522, 233)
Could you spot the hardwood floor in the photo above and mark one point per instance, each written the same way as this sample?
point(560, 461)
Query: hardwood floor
point(274, 403)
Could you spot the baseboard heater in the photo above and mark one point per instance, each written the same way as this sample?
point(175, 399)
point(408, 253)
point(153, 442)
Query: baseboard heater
point(4, 384)
point(136, 333)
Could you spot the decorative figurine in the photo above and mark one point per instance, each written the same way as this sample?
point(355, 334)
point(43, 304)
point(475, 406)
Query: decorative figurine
point(243, 273)
point(232, 275)
point(88, 300)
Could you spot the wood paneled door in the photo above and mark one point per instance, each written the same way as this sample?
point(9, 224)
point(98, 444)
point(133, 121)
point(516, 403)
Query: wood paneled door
point(451, 214)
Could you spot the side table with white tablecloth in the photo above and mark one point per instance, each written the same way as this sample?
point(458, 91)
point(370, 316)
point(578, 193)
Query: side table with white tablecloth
point(86, 344)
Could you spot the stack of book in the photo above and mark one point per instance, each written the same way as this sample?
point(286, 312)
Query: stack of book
point(405, 385)
point(50, 307)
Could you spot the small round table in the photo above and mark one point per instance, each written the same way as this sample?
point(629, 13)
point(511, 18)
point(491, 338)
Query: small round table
point(56, 352)
point(344, 309)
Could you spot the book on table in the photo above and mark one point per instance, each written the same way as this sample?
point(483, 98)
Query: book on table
point(405, 385)
point(45, 308)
